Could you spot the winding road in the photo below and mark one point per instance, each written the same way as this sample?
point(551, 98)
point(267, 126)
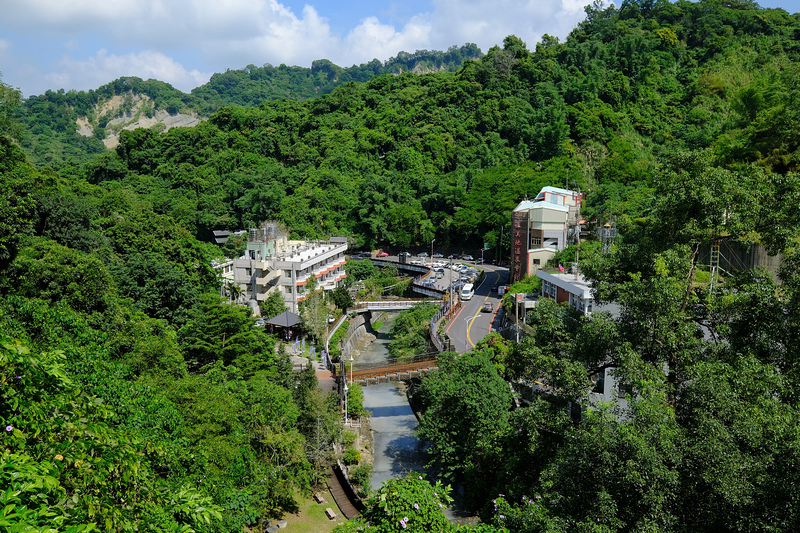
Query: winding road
point(471, 323)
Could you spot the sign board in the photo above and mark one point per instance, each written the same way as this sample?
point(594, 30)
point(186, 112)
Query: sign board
point(519, 245)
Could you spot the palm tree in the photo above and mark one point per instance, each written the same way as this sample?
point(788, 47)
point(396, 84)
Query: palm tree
point(234, 291)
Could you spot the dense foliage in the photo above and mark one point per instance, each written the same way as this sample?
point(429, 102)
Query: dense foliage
point(401, 159)
point(51, 120)
point(136, 397)
point(251, 86)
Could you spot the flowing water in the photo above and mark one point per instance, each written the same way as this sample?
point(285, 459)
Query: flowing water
point(397, 449)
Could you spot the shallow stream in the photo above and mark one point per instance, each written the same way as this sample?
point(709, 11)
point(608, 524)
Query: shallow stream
point(397, 449)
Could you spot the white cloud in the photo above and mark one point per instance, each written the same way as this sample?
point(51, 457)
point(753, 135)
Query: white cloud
point(179, 41)
point(488, 23)
point(371, 39)
point(96, 71)
point(281, 37)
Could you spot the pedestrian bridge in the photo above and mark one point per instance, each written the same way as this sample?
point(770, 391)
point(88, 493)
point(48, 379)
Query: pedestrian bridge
point(401, 369)
point(389, 305)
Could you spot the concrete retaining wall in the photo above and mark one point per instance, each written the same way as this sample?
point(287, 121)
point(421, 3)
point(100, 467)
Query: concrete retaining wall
point(357, 330)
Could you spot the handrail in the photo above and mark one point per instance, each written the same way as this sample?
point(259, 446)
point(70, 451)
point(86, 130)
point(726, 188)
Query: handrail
point(400, 361)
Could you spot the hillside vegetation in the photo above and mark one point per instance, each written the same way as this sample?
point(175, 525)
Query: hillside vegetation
point(136, 399)
point(65, 126)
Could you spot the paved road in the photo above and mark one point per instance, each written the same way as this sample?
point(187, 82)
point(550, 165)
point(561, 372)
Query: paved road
point(471, 324)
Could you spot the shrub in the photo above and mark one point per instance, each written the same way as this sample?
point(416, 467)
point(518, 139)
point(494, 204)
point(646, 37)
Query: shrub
point(361, 476)
point(351, 456)
point(348, 438)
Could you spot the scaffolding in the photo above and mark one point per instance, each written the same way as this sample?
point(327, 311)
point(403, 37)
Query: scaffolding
point(714, 265)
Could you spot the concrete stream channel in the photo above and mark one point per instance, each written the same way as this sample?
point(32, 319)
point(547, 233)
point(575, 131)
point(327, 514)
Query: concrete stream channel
point(397, 451)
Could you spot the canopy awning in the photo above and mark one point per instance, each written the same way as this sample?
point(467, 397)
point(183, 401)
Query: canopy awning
point(286, 319)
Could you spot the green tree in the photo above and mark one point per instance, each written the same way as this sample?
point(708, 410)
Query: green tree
point(53, 273)
point(355, 401)
point(409, 504)
point(10, 100)
point(225, 333)
point(358, 271)
point(273, 305)
point(315, 311)
point(79, 452)
point(341, 298)
point(16, 202)
point(465, 402)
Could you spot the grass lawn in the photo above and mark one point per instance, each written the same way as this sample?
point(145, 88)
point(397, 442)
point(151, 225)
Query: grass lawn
point(311, 518)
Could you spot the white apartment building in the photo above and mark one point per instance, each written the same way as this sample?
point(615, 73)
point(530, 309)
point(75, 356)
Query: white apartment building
point(272, 263)
point(572, 288)
point(542, 226)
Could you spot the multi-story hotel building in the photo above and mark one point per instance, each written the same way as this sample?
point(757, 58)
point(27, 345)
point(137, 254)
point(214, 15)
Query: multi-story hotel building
point(272, 263)
point(542, 226)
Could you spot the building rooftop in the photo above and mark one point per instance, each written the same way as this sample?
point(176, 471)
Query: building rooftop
point(557, 190)
point(525, 205)
point(303, 251)
point(307, 252)
point(566, 281)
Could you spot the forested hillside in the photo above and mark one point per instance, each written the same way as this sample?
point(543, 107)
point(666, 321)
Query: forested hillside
point(134, 398)
point(68, 127)
point(252, 85)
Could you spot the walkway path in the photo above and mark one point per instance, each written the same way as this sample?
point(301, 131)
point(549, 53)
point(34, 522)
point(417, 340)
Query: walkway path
point(340, 497)
point(326, 379)
point(327, 383)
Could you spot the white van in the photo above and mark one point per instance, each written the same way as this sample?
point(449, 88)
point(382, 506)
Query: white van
point(467, 291)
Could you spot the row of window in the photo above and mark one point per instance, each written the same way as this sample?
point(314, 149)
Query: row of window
point(548, 289)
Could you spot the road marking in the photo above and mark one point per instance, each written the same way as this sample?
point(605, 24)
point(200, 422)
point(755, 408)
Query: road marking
point(469, 326)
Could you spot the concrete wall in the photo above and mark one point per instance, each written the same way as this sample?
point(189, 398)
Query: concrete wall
point(356, 331)
point(737, 257)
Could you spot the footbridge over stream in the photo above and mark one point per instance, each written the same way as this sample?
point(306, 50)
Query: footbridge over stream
point(401, 369)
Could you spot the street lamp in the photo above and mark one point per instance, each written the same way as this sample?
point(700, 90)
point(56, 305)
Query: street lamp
point(432, 251)
point(351, 368)
point(466, 331)
point(345, 402)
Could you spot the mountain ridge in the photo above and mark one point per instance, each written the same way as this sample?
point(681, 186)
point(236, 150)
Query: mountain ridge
point(73, 124)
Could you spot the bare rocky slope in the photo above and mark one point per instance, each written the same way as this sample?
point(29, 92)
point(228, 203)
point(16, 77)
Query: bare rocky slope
point(128, 113)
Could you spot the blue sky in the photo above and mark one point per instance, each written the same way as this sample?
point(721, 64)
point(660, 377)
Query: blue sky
point(83, 44)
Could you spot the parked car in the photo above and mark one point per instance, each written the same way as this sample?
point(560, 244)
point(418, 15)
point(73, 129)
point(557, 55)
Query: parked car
point(479, 261)
point(422, 254)
point(405, 254)
point(452, 256)
point(467, 258)
point(487, 307)
point(382, 254)
point(437, 255)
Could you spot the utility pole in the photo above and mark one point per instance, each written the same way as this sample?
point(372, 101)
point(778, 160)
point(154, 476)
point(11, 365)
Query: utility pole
point(345, 401)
